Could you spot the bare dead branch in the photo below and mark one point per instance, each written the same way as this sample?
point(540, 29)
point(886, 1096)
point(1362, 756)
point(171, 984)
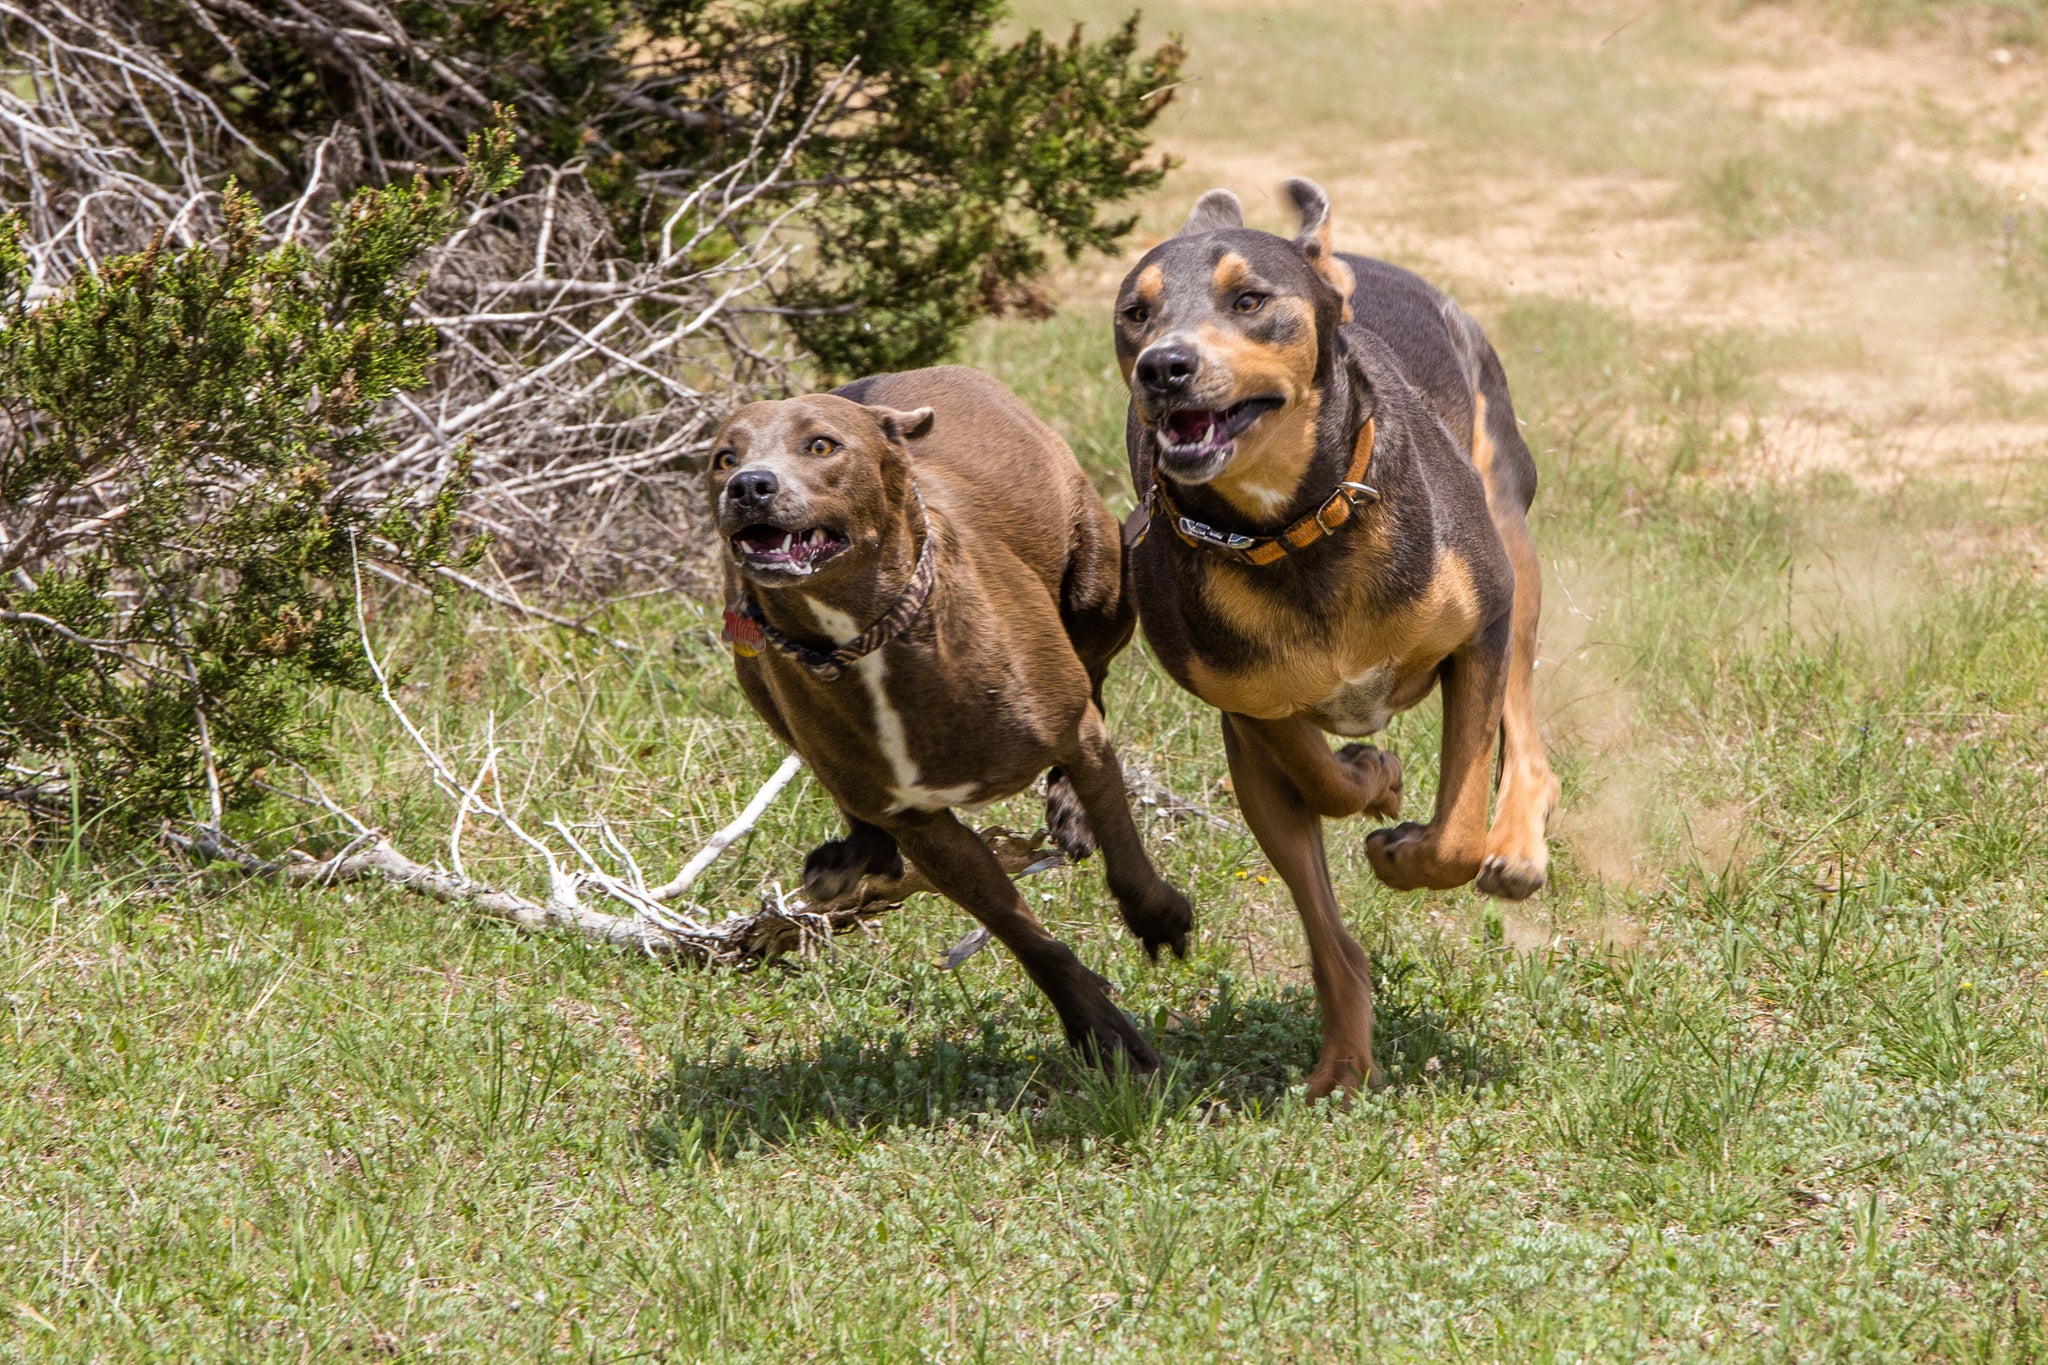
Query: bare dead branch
point(583, 380)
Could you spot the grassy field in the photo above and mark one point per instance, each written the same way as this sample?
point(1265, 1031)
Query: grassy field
point(1760, 1076)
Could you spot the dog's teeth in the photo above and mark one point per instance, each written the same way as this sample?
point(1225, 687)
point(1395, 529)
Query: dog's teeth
point(787, 541)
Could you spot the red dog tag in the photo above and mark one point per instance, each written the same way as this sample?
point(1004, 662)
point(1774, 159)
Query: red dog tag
point(743, 633)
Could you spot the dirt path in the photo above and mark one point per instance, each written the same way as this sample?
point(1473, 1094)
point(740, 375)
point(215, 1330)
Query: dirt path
point(1848, 204)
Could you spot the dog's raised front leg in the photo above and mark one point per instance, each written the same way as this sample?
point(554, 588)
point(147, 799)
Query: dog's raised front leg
point(837, 866)
point(1291, 834)
point(1447, 851)
point(960, 865)
point(1154, 911)
point(1517, 857)
point(1355, 779)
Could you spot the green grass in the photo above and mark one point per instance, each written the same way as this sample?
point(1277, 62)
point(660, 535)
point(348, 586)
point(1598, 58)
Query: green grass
point(1760, 1076)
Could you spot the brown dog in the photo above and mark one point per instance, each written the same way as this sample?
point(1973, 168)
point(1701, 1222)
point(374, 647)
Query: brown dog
point(1334, 525)
point(925, 595)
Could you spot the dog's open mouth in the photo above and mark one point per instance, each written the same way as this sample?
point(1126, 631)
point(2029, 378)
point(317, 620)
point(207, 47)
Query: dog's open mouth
point(1200, 433)
point(777, 550)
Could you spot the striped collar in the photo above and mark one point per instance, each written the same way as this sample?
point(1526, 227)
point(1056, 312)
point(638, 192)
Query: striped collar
point(746, 628)
point(1258, 551)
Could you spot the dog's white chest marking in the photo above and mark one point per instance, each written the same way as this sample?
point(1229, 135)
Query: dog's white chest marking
point(1358, 706)
point(906, 789)
point(1271, 500)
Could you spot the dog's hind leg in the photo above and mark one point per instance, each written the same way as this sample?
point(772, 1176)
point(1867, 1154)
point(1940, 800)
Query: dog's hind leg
point(1291, 834)
point(1517, 856)
point(960, 865)
point(1099, 616)
point(1159, 915)
point(837, 866)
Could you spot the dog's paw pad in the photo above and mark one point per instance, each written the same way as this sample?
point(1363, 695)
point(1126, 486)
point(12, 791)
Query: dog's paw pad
point(1510, 879)
point(833, 870)
point(1177, 942)
point(836, 867)
point(1158, 918)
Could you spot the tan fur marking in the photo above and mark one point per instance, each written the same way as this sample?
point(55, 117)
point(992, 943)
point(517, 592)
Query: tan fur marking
point(1482, 443)
point(1231, 273)
point(1325, 262)
point(1271, 458)
point(1340, 277)
point(1311, 667)
point(1151, 287)
point(1151, 284)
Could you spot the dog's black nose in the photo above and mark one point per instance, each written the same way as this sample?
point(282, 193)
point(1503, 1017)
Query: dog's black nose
point(1167, 369)
point(752, 488)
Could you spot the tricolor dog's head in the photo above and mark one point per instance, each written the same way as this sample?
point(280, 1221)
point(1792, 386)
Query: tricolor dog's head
point(804, 488)
point(1225, 335)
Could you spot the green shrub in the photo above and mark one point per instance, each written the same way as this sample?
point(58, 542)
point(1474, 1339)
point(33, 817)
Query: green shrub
point(177, 430)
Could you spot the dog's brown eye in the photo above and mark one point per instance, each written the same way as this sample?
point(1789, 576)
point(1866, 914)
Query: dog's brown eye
point(1136, 314)
point(1249, 302)
point(724, 459)
point(819, 445)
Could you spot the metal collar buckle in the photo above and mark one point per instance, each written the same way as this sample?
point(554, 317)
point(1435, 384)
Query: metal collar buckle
point(1209, 535)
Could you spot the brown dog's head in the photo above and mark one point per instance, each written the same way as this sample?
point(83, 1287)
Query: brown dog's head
point(1225, 336)
point(803, 487)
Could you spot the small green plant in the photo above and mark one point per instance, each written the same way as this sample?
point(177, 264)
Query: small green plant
point(182, 440)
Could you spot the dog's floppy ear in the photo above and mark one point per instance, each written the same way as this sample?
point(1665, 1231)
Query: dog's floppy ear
point(1214, 211)
point(1313, 240)
point(900, 426)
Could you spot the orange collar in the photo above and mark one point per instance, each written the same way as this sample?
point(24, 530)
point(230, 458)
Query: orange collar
point(1335, 510)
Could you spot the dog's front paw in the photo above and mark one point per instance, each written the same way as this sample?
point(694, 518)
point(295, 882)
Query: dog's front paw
point(1510, 879)
point(1160, 917)
point(1065, 821)
point(1352, 1074)
point(835, 868)
point(1105, 1034)
point(1378, 774)
point(1410, 857)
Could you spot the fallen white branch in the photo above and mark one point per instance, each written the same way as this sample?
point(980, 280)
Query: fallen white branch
point(780, 925)
point(783, 922)
point(731, 834)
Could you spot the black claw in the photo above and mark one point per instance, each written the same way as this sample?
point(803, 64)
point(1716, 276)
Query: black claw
point(1177, 942)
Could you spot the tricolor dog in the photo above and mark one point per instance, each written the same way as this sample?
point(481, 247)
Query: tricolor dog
point(1335, 493)
point(924, 593)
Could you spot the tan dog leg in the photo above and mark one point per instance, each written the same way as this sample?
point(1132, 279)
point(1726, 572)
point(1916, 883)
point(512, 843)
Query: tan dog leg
point(1447, 851)
point(1291, 834)
point(1517, 857)
point(960, 865)
point(1152, 910)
